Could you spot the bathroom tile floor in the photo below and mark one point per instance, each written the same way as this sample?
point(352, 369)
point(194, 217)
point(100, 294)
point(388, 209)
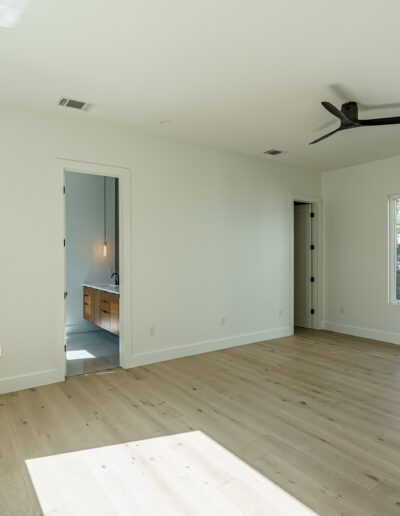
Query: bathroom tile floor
point(91, 351)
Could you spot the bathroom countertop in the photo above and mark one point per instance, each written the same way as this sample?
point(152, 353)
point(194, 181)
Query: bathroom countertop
point(106, 287)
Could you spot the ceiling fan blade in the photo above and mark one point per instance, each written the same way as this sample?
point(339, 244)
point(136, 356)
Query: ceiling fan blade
point(380, 121)
point(326, 125)
point(344, 94)
point(335, 112)
point(375, 107)
point(325, 136)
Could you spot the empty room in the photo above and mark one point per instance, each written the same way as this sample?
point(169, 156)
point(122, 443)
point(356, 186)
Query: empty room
point(200, 288)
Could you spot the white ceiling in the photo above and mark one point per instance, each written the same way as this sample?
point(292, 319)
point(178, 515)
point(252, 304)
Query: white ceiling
point(246, 75)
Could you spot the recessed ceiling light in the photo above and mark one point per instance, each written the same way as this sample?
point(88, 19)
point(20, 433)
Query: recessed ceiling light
point(165, 122)
point(10, 11)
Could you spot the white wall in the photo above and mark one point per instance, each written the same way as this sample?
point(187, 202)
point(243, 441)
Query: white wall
point(356, 250)
point(84, 200)
point(210, 237)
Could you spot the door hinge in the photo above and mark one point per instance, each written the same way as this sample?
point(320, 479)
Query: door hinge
point(312, 214)
point(63, 189)
point(65, 295)
point(312, 279)
point(312, 311)
point(312, 247)
point(64, 242)
point(65, 348)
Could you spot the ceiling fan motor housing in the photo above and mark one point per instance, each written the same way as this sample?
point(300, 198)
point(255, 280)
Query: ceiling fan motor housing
point(350, 109)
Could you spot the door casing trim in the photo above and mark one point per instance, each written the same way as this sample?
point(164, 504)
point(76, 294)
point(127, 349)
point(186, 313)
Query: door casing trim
point(61, 166)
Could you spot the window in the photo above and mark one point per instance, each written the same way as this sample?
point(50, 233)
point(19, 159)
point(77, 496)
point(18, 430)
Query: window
point(394, 261)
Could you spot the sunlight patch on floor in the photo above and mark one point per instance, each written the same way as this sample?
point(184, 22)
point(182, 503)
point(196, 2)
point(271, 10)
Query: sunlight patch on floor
point(78, 354)
point(171, 475)
point(92, 351)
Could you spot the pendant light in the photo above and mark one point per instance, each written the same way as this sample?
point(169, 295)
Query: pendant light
point(105, 221)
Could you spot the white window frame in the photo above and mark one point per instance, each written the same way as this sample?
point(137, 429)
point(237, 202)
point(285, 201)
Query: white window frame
point(392, 249)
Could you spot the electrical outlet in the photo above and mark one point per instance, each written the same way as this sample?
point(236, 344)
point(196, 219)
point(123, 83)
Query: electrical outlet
point(152, 331)
point(223, 320)
point(342, 309)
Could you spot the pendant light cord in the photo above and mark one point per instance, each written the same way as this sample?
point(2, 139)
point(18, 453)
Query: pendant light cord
point(105, 211)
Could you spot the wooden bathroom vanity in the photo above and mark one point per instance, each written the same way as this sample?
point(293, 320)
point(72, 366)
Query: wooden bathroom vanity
point(101, 306)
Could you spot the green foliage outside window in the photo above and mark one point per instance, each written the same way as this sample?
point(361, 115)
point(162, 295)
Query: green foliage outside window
point(398, 217)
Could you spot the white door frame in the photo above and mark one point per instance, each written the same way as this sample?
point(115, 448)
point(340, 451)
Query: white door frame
point(317, 208)
point(124, 176)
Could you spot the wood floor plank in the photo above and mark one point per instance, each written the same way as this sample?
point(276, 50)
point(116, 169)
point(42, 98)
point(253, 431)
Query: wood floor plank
point(317, 413)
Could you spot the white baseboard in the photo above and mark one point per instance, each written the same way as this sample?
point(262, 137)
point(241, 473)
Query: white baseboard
point(28, 381)
point(205, 347)
point(359, 331)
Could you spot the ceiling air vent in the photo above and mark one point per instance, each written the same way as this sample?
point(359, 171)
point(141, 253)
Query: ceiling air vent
point(274, 152)
point(75, 104)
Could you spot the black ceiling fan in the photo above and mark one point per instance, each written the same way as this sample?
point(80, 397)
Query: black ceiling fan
point(348, 116)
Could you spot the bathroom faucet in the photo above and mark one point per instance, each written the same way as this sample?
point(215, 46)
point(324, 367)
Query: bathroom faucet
point(116, 277)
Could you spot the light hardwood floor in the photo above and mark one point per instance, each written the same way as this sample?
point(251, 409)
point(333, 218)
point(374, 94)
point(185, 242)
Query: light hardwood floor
point(317, 413)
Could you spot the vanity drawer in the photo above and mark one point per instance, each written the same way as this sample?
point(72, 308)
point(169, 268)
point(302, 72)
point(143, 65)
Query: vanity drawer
point(105, 306)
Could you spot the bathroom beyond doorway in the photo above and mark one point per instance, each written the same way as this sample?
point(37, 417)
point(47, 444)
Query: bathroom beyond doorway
point(92, 272)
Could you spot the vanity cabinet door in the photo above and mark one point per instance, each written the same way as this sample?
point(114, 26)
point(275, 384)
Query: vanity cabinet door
point(95, 306)
point(87, 304)
point(91, 305)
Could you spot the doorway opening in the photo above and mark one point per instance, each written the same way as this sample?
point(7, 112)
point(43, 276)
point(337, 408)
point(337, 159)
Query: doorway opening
point(92, 242)
point(305, 264)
